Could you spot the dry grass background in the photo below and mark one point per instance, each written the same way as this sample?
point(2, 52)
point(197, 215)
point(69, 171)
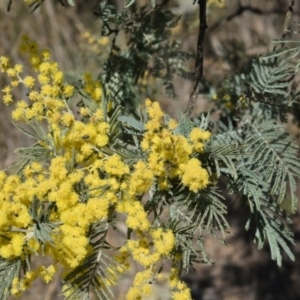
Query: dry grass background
point(241, 271)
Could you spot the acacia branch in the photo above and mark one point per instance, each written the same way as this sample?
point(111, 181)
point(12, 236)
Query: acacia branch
point(199, 58)
point(247, 8)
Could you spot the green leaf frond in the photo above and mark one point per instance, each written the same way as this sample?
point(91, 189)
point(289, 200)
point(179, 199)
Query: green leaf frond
point(271, 79)
point(272, 73)
point(185, 125)
point(148, 49)
point(264, 78)
point(97, 273)
point(266, 176)
point(34, 153)
point(203, 121)
point(38, 135)
point(273, 154)
point(9, 269)
point(269, 89)
point(43, 229)
point(194, 215)
point(268, 219)
point(261, 161)
point(224, 150)
point(109, 95)
point(115, 87)
point(111, 115)
point(87, 101)
point(210, 212)
point(132, 125)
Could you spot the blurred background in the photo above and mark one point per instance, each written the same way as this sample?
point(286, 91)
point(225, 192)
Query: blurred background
point(238, 31)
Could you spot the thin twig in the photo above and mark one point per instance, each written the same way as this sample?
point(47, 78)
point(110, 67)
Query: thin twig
point(285, 26)
point(288, 18)
point(242, 9)
point(199, 58)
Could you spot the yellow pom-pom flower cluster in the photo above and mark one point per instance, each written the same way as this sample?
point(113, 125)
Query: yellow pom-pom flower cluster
point(84, 184)
point(170, 155)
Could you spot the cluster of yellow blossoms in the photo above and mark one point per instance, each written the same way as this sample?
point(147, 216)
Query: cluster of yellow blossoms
point(170, 154)
point(220, 3)
point(46, 274)
point(84, 184)
point(29, 1)
point(97, 45)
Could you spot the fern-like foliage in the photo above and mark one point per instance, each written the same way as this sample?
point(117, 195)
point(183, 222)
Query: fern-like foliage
point(197, 215)
point(271, 79)
point(224, 151)
point(266, 78)
point(9, 269)
point(97, 272)
point(268, 219)
point(274, 158)
point(254, 150)
point(43, 228)
point(251, 148)
point(261, 162)
point(148, 49)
